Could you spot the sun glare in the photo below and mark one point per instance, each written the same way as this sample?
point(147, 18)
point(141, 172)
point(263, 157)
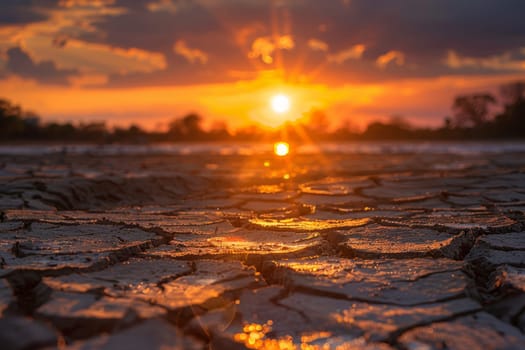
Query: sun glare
point(281, 149)
point(280, 104)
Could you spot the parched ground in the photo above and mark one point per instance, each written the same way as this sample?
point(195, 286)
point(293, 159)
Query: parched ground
point(232, 252)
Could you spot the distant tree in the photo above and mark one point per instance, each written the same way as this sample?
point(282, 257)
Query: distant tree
point(447, 123)
point(399, 121)
point(513, 93)
point(174, 128)
point(472, 110)
point(346, 130)
point(314, 122)
point(249, 133)
point(192, 124)
point(11, 123)
point(387, 131)
point(511, 122)
point(219, 131)
point(8, 109)
point(318, 120)
point(32, 128)
point(349, 125)
point(32, 119)
point(95, 131)
point(187, 128)
point(132, 134)
point(56, 131)
point(95, 128)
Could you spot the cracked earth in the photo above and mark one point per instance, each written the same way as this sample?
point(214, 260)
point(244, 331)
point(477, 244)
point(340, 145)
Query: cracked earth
point(232, 252)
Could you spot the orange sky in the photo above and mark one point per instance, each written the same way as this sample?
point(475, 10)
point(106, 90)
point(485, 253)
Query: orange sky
point(146, 63)
point(247, 102)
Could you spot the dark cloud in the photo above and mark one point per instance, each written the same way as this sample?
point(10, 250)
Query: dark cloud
point(424, 31)
point(19, 63)
point(24, 11)
point(156, 31)
point(197, 25)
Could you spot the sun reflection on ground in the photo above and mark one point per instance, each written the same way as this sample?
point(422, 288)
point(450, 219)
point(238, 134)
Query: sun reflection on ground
point(255, 336)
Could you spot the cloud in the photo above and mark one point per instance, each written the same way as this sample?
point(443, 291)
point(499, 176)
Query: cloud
point(51, 45)
point(245, 32)
point(236, 34)
point(93, 57)
point(3, 61)
point(391, 56)
point(85, 3)
point(504, 62)
point(21, 12)
point(410, 25)
point(317, 45)
point(19, 63)
point(352, 53)
point(285, 42)
point(264, 47)
point(192, 55)
point(162, 6)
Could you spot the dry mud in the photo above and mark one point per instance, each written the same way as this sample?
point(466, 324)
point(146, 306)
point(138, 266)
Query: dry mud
point(232, 252)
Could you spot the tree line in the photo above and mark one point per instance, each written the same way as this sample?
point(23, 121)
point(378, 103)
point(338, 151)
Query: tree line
point(474, 116)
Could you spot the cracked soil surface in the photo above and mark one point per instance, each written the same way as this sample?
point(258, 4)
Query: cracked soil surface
point(232, 252)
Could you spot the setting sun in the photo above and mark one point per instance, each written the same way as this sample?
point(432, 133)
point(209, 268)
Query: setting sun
point(280, 104)
point(281, 148)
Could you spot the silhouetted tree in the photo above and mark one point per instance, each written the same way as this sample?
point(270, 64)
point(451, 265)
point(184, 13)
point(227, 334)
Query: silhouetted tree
point(249, 133)
point(11, 123)
point(346, 130)
point(56, 131)
point(132, 134)
point(95, 131)
point(8, 109)
point(399, 121)
point(314, 122)
point(32, 128)
point(387, 131)
point(512, 121)
point(317, 120)
point(187, 128)
point(219, 131)
point(192, 125)
point(513, 93)
point(447, 123)
point(472, 110)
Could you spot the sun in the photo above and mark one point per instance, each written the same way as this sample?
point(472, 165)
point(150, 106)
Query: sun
point(281, 148)
point(280, 104)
